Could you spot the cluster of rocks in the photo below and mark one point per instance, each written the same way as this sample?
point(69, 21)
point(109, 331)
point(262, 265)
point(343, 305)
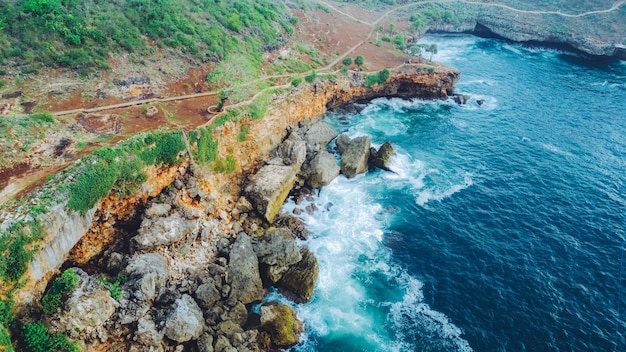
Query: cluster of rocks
point(192, 280)
point(195, 276)
point(304, 159)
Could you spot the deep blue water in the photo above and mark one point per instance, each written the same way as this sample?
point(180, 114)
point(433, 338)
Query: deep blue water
point(502, 227)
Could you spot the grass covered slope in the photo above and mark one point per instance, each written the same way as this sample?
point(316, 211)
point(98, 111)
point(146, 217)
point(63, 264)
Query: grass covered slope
point(83, 34)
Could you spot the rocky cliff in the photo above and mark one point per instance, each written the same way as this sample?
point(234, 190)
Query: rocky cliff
point(187, 255)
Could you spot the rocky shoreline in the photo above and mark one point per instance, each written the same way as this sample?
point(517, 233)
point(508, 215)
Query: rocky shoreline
point(185, 264)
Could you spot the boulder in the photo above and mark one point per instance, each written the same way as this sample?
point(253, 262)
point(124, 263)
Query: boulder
point(88, 306)
point(243, 271)
point(147, 275)
point(318, 135)
point(162, 231)
point(205, 343)
point(277, 250)
point(322, 169)
point(269, 187)
point(185, 321)
point(354, 155)
point(158, 209)
point(299, 280)
point(147, 333)
point(208, 294)
point(381, 158)
point(294, 224)
point(280, 322)
point(342, 142)
point(292, 151)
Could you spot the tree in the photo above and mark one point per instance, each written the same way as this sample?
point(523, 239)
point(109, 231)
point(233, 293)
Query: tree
point(384, 75)
point(347, 61)
point(392, 28)
point(359, 60)
point(432, 49)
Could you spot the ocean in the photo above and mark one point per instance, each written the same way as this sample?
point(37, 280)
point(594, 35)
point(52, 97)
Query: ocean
point(501, 227)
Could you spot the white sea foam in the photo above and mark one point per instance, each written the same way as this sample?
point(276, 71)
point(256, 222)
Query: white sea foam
point(348, 243)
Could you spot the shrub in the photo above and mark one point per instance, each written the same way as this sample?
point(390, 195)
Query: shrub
point(38, 339)
point(243, 133)
point(114, 287)
point(2, 84)
point(91, 186)
point(296, 81)
point(225, 166)
point(53, 299)
point(311, 77)
point(384, 75)
point(207, 146)
point(347, 61)
point(359, 60)
point(14, 254)
point(43, 117)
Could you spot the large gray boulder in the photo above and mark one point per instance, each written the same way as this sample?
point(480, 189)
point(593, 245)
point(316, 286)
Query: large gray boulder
point(269, 187)
point(292, 151)
point(323, 169)
point(185, 321)
point(147, 333)
point(162, 231)
point(299, 281)
point(354, 154)
point(208, 294)
point(147, 275)
point(243, 271)
point(88, 306)
point(318, 135)
point(277, 250)
point(381, 158)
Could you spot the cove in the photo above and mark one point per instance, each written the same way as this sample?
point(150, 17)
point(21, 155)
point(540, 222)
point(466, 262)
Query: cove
point(502, 225)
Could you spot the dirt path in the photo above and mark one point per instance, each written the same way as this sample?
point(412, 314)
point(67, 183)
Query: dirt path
point(615, 6)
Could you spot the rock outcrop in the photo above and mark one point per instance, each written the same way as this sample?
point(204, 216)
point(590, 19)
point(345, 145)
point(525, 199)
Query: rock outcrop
point(86, 309)
point(299, 281)
point(280, 323)
point(323, 169)
point(354, 154)
point(277, 251)
point(243, 271)
point(185, 322)
point(381, 158)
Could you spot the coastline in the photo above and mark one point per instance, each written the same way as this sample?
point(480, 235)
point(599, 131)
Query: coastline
point(214, 203)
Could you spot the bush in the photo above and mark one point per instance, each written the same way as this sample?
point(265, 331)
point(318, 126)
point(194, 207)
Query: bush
point(243, 133)
point(43, 117)
point(97, 181)
point(384, 75)
point(359, 60)
point(53, 299)
point(296, 81)
point(207, 146)
point(347, 61)
point(311, 77)
point(14, 254)
point(2, 84)
point(38, 339)
point(114, 287)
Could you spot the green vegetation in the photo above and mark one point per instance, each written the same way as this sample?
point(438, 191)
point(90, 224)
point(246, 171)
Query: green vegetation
point(38, 339)
point(347, 61)
point(114, 287)
point(359, 60)
point(243, 133)
point(225, 166)
point(310, 78)
point(16, 250)
point(122, 167)
point(296, 81)
point(62, 286)
point(82, 34)
point(378, 78)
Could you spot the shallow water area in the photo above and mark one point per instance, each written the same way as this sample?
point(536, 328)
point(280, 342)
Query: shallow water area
point(501, 226)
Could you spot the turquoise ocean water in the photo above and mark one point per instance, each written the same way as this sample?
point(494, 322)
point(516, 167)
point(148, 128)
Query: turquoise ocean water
point(502, 225)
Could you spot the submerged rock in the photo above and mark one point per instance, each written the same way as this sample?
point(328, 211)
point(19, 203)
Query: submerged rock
point(354, 154)
point(243, 271)
point(299, 281)
point(381, 158)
